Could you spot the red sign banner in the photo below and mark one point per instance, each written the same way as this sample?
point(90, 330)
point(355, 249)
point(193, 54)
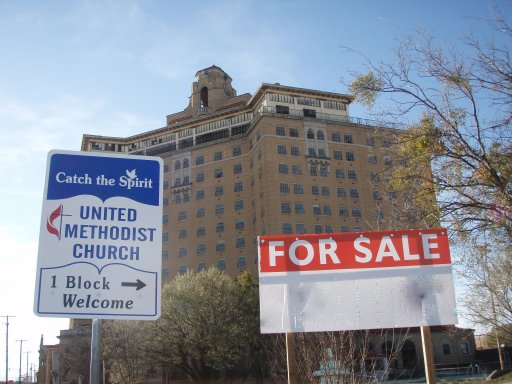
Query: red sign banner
point(353, 250)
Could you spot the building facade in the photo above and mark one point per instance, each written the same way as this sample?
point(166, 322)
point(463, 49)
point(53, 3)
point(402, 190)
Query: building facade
point(284, 160)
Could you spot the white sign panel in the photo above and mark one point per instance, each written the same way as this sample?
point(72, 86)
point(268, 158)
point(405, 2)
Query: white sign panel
point(350, 281)
point(100, 240)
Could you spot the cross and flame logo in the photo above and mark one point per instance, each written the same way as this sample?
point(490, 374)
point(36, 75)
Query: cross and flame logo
point(50, 222)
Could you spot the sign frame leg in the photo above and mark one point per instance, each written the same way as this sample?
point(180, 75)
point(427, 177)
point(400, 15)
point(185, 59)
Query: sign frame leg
point(428, 354)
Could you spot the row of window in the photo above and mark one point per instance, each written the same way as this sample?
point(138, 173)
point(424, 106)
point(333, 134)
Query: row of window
point(220, 264)
point(300, 228)
point(336, 137)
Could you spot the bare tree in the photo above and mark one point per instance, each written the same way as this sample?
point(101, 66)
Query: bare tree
point(460, 151)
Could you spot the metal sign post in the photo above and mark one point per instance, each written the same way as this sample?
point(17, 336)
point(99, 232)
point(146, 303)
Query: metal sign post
point(95, 367)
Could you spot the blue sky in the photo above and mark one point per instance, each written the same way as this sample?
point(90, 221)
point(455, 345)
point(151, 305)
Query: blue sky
point(117, 68)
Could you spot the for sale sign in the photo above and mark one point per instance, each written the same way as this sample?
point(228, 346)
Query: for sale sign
point(348, 281)
point(100, 240)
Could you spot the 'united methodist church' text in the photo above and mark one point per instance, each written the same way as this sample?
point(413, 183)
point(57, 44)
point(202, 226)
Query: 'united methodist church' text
point(105, 230)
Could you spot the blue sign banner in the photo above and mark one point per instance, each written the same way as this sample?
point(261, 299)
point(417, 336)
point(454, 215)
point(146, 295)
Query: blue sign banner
point(104, 177)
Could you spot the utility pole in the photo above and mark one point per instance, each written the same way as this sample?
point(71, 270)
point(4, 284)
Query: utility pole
point(21, 354)
point(7, 347)
point(27, 353)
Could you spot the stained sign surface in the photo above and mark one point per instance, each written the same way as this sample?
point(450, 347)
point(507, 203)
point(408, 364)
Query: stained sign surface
point(349, 281)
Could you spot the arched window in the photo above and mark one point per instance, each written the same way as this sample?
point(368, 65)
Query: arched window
point(310, 134)
point(204, 97)
point(320, 135)
point(177, 165)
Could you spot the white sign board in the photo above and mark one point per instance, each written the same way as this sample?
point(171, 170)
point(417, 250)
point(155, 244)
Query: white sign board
point(350, 281)
point(100, 240)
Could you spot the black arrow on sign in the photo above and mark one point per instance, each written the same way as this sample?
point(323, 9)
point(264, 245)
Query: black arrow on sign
point(139, 284)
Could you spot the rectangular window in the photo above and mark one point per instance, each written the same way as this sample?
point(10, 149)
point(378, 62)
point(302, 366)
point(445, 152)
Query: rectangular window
point(237, 168)
point(337, 155)
point(239, 187)
point(315, 190)
point(284, 188)
point(165, 219)
point(299, 209)
point(200, 230)
point(283, 168)
point(356, 212)
point(201, 267)
point(387, 160)
point(199, 160)
point(186, 197)
point(336, 137)
point(286, 208)
point(344, 228)
point(239, 224)
point(352, 174)
point(166, 201)
point(240, 242)
point(220, 246)
point(221, 264)
point(328, 228)
point(297, 170)
point(218, 173)
point(321, 153)
point(298, 189)
point(464, 348)
point(182, 252)
point(325, 191)
point(376, 195)
point(217, 156)
point(370, 141)
point(309, 112)
point(219, 227)
point(240, 262)
point(295, 151)
point(166, 184)
point(347, 139)
point(340, 174)
point(316, 210)
point(177, 199)
point(282, 109)
point(372, 159)
point(280, 131)
point(326, 209)
point(281, 149)
point(447, 349)
point(199, 177)
point(300, 228)
point(318, 228)
point(343, 211)
point(182, 234)
point(219, 209)
point(341, 192)
point(182, 215)
point(294, 132)
point(200, 195)
point(239, 204)
point(200, 212)
point(219, 190)
point(323, 171)
point(374, 176)
point(350, 156)
point(286, 228)
point(182, 270)
point(165, 236)
point(354, 193)
point(237, 151)
point(311, 152)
